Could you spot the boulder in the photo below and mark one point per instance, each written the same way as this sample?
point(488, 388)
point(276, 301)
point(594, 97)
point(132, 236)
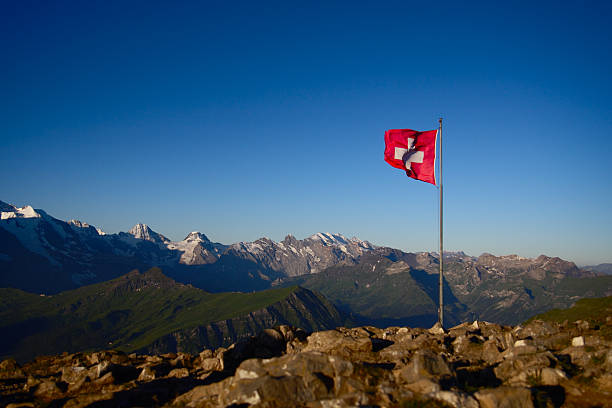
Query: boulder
point(456, 399)
point(147, 374)
point(72, 375)
point(48, 390)
point(179, 373)
point(552, 376)
point(10, 370)
point(504, 397)
point(425, 364)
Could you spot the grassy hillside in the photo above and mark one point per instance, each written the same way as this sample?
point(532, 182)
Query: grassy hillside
point(128, 313)
point(595, 311)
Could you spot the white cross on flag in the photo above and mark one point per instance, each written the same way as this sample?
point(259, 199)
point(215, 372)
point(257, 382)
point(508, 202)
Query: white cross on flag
point(413, 152)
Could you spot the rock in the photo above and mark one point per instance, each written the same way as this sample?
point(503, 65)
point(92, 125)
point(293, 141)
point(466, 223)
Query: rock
point(48, 390)
point(102, 368)
point(363, 366)
point(521, 343)
point(147, 374)
point(179, 373)
point(72, 375)
point(424, 364)
point(338, 343)
point(581, 325)
point(521, 369)
point(424, 386)
point(106, 379)
point(578, 341)
point(85, 400)
point(9, 369)
point(551, 376)
point(455, 399)
point(212, 364)
point(436, 329)
point(504, 397)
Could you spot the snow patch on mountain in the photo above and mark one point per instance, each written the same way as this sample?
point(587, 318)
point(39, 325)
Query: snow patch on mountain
point(142, 231)
point(16, 212)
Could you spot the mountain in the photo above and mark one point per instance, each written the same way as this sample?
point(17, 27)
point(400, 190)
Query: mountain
point(605, 268)
point(149, 312)
point(41, 254)
point(293, 257)
point(396, 288)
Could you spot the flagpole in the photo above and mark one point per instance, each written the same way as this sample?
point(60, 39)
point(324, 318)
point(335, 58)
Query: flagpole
point(441, 309)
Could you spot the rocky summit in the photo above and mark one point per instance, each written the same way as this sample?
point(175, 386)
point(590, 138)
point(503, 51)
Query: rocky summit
point(479, 364)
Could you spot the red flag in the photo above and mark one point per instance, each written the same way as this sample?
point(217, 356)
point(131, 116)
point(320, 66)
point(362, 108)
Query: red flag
point(412, 151)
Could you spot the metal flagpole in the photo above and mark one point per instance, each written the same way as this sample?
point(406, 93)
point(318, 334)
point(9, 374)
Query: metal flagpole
point(441, 309)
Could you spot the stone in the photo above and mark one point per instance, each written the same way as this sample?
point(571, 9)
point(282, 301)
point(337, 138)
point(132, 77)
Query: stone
point(211, 364)
point(72, 374)
point(48, 390)
point(578, 341)
point(9, 369)
point(504, 397)
point(179, 373)
point(102, 368)
point(456, 399)
point(147, 374)
point(85, 400)
point(338, 343)
point(345, 367)
point(436, 329)
point(581, 325)
point(552, 376)
point(424, 364)
point(424, 386)
point(520, 343)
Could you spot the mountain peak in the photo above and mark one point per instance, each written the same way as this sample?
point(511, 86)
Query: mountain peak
point(10, 211)
point(78, 223)
point(328, 239)
point(196, 236)
point(142, 231)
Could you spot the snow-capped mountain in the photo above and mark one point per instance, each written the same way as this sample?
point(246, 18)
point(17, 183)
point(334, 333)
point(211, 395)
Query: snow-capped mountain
point(68, 254)
point(41, 253)
point(197, 249)
point(142, 231)
point(296, 257)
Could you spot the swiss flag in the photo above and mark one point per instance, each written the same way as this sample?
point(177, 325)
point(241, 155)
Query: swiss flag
point(413, 152)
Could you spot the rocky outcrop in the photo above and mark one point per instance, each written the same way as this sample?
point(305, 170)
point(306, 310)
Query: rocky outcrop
point(471, 365)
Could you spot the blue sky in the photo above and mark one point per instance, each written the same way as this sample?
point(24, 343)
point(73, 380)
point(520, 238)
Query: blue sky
point(250, 119)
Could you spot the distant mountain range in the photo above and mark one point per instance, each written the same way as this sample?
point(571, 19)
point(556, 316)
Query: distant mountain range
point(605, 268)
point(40, 253)
point(377, 285)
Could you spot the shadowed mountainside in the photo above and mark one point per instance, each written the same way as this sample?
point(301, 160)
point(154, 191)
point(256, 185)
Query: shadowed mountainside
point(150, 312)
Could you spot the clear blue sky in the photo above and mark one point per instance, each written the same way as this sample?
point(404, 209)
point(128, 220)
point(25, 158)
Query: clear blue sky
point(250, 119)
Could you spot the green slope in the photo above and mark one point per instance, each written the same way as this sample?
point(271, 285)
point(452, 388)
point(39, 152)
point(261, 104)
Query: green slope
point(596, 311)
point(133, 311)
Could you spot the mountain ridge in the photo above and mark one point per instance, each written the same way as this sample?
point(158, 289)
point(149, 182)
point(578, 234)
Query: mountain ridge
point(149, 311)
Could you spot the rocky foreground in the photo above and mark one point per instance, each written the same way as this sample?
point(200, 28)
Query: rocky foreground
point(471, 365)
